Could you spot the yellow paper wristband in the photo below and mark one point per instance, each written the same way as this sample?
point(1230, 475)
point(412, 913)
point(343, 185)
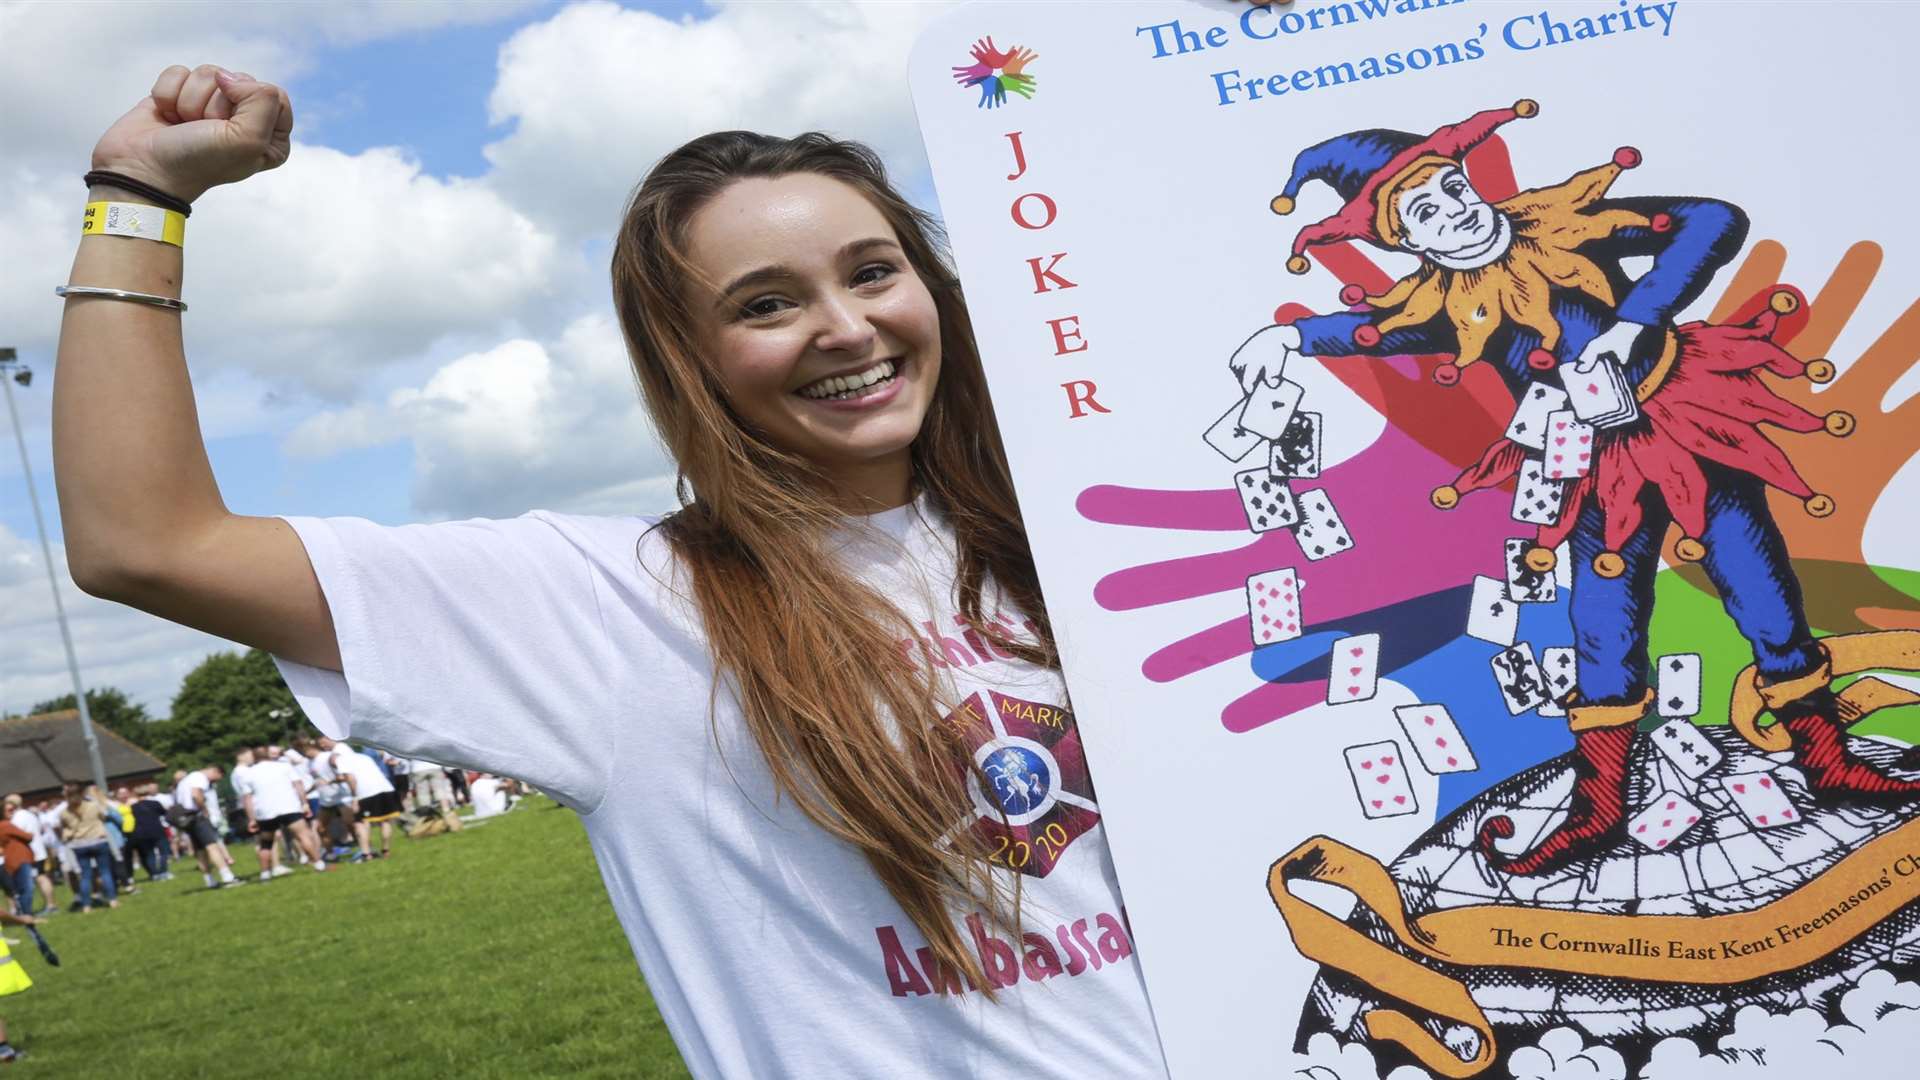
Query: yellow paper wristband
point(134, 219)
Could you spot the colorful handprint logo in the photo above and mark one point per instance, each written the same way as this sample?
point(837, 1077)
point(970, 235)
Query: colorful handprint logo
point(996, 73)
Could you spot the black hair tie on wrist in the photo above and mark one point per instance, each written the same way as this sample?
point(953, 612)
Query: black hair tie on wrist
point(128, 183)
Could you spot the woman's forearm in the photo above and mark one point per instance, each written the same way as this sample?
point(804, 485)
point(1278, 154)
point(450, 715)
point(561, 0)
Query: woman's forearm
point(130, 465)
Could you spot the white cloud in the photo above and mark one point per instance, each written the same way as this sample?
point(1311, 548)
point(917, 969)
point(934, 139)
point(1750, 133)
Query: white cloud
point(599, 93)
point(518, 426)
point(319, 272)
point(116, 645)
point(73, 68)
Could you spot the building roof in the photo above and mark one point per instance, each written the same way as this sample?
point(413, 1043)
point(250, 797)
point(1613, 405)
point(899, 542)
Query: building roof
point(40, 752)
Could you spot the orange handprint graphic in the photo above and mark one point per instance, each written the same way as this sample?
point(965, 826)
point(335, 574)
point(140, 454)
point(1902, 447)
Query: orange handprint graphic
point(1844, 592)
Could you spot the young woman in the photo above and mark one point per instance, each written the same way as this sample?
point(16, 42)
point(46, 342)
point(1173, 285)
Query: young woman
point(757, 704)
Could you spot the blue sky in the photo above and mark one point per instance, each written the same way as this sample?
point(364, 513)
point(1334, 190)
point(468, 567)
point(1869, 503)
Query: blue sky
point(443, 348)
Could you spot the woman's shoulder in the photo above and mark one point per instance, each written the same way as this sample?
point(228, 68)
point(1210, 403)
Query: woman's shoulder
point(619, 543)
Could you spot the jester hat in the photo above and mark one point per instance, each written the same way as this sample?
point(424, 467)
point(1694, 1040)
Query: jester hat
point(1360, 163)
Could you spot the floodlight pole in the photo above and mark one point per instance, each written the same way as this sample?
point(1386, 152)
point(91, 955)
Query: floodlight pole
point(8, 363)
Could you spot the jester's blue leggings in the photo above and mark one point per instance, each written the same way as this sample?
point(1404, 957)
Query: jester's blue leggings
point(1746, 561)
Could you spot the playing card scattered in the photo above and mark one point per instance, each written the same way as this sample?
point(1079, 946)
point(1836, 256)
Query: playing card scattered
point(1664, 820)
point(1559, 666)
point(1273, 606)
point(1354, 672)
point(1270, 408)
point(1521, 683)
point(1229, 438)
point(1268, 503)
point(1321, 532)
point(1529, 424)
point(1760, 799)
point(1536, 499)
point(1569, 451)
point(1296, 453)
point(1436, 738)
point(1525, 585)
point(1687, 748)
point(1492, 615)
point(1678, 689)
point(1380, 779)
point(1563, 565)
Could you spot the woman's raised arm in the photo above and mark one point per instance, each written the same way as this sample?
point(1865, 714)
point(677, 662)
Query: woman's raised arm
point(142, 515)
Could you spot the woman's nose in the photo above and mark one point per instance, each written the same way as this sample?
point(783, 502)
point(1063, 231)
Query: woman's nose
point(843, 327)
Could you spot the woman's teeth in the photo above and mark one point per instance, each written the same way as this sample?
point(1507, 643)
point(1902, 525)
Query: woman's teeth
point(859, 384)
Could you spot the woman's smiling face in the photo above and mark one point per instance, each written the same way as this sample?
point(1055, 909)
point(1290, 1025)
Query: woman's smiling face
point(824, 338)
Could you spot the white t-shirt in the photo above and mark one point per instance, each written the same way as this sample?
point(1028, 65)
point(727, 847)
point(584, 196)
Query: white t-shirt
point(302, 768)
point(368, 780)
point(271, 785)
point(240, 778)
point(29, 822)
point(489, 796)
point(548, 648)
point(197, 781)
point(50, 828)
point(328, 788)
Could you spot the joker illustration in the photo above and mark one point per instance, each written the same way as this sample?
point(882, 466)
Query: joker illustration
point(1535, 285)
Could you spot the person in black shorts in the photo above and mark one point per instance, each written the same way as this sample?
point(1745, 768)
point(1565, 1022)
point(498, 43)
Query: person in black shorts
point(194, 803)
point(274, 800)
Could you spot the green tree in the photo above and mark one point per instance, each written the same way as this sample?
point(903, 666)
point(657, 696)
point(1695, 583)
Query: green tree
point(226, 703)
point(110, 709)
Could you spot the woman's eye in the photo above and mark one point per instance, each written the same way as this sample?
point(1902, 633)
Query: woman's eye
point(1425, 213)
point(867, 275)
point(762, 308)
point(1455, 187)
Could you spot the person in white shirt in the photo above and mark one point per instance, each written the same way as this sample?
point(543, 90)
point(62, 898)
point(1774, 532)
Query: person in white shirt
point(490, 796)
point(774, 710)
point(274, 801)
point(60, 857)
point(429, 786)
point(375, 802)
point(195, 804)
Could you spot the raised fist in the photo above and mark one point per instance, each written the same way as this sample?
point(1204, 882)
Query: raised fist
point(198, 129)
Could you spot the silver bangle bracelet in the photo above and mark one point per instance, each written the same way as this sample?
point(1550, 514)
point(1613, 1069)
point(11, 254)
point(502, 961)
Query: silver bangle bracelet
point(167, 302)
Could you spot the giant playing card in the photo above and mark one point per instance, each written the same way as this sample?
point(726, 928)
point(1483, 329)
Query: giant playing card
point(1535, 347)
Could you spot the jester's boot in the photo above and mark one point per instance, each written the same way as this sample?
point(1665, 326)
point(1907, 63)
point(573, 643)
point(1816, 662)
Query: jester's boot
point(1818, 720)
point(1814, 719)
point(1603, 735)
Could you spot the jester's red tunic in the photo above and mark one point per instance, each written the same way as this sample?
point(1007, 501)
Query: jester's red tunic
point(1704, 400)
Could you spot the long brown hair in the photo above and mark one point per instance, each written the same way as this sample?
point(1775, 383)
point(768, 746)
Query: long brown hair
point(785, 621)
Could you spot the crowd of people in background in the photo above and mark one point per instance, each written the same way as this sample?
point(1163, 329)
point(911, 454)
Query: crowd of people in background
point(314, 803)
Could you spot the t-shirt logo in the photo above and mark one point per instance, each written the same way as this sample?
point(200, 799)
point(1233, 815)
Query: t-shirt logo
point(1036, 797)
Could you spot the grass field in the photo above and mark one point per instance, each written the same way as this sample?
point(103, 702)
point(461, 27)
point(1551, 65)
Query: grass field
point(492, 952)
